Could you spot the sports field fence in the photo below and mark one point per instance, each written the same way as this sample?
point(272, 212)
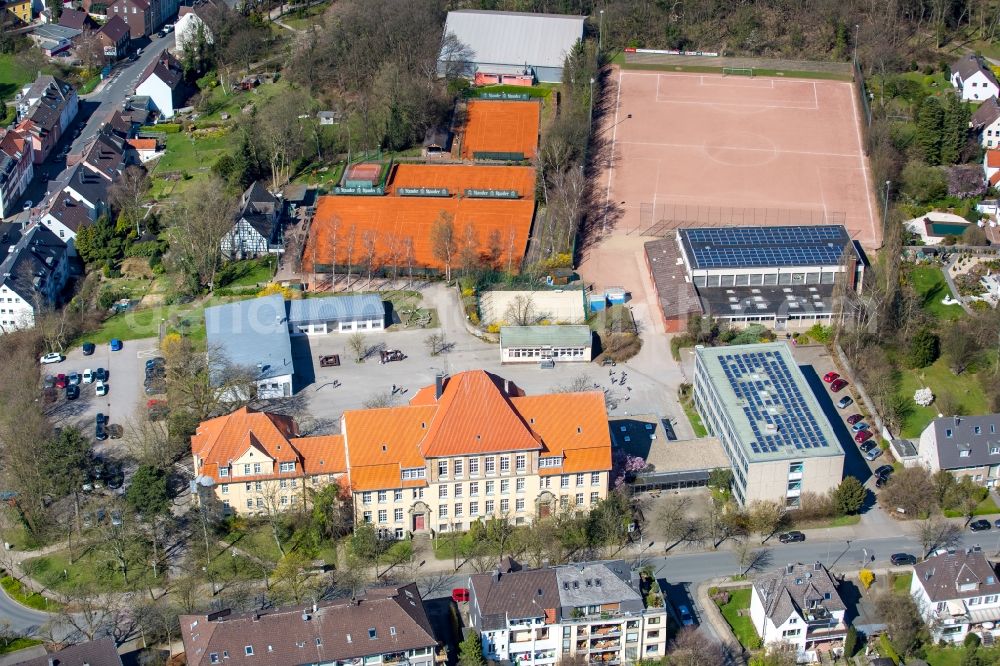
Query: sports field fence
point(767, 66)
point(664, 218)
point(864, 101)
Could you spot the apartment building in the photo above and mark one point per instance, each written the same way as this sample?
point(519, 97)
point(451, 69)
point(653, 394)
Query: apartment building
point(800, 605)
point(251, 462)
point(756, 401)
point(958, 593)
point(16, 169)
point(471, 447)
point(474, 446)
point(963, 446)
point(45, 108)
point(383, 627)
point(594, 612)
point(33, 273)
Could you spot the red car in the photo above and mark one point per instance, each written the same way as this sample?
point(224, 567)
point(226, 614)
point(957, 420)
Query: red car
point(863, 436)
point(854, 418)
point(830, 376)
point(838, 384)
point(61, 380)
point(460, 594)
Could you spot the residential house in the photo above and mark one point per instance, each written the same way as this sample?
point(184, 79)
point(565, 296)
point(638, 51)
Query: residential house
point(957, 593)
point(592, 612)
point(45, 109)
point(89, 188)
point(16, 169)
point(145, 149)
point(252, 462)
point(137, 15)
point(77, 20)
point(257, 230)
point(163, 83)
point(381, 626)
point(106, 154)
point(777, 437)
point(965, 446)
point(991, 167)
point(469, 448)
point(21, 9)
point(52, 38)
point(121, 124)
point(800, 605)
point(191, 31)
point(66, 216)
point(114, 37)
point(973, 78)
point(33, 273)
point(985, 123)
point(99, 652)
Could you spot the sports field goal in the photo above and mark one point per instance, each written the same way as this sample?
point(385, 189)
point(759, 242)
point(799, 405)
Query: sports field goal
point(737, 71)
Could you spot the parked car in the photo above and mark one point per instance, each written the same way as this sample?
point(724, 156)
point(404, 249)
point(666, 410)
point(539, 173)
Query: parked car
point(115, 344)
point(61, 381)
point(101, 389)
point(846, 401)
point(858, 427)
point(873, 454)
point(460, 594)
point(329, 360)
point(884, 470)
point(838, 385)
point(72, 392)
point(390, 355)
point(979, 525)
point(155, 387)
point(157, 409)
point(863, 436)
point(155, 361)
point(791, 537)
point(101, 375)
point(854, 418)
point(830, 377)
point(88, 376)
point(74, 379)
point(900, 559)
point(89, 348)
point(996, 523)
point(48, 382)
point(685, 615)
point(51, 357)
point(100, 432)
point(867, 446)
point(101, 418)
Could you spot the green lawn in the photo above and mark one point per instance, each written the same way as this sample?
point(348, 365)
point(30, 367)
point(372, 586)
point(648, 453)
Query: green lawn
point(12, 75)
point(26, 597)
point(190, 153)
point(947, 656)
point(963, 389)
point(742, 625)
point(985, 508)
point(695, 418)
point(839, 521)
point(247, 273)
point(901, 582)
point(19, 644)
point(302, 19)
point(928, 281)
point(541, 90)
point(93, 569)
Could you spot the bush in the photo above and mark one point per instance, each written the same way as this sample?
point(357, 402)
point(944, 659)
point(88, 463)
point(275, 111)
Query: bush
point(820, 333)
point(166, 128)
point(971, 641)
point(109, 297)
point(867, 577)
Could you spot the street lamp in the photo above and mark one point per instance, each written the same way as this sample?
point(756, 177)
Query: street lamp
point(591, 121)
point(600, 32)
point(857, 26)
point(885, 207)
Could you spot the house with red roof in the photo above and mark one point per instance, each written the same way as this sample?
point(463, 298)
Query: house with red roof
point(991, 167)
point(470, 447)
point(16, 169)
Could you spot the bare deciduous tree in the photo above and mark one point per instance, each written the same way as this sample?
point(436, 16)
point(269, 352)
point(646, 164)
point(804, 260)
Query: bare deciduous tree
point(443, 241)
point(521, 311)
point(199, 220)
point(128, 193)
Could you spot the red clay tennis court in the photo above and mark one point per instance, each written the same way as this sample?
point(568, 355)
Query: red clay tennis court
point(364, 172)
point(398, 221)
point(706, 150)
point(501, 127)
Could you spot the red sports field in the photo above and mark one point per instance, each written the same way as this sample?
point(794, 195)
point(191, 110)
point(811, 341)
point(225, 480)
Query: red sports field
point(707, 150)
point(501, 127)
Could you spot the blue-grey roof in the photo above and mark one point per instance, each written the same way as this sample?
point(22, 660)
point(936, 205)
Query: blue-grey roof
point(967, 441)
point(748, 247)
point(515, 38)
point(336, 308)
point(252, 333)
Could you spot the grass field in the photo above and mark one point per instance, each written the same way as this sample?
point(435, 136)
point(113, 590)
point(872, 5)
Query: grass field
point(248, 273)
point(541, 90)
point(26, 597)
point(963, 390)
point(695, 418)
point(187, 153)
point(985, 508)
point(929, 282)
point(303, 19)
point(901, 582)
point(741, 625)
point(12, 76)
point(93, 569)
point(19, 643)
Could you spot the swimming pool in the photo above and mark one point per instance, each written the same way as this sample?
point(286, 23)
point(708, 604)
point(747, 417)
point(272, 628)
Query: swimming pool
point(948, 228)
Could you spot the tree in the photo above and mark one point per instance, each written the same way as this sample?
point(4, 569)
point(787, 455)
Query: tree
point(923, 183)
point(368, 546)
point(98, 245)
point(292, 576)
point(358, 346)
point(954, 128)
point(850, 642)
point(960, 347)
point(470, 650)
point(938, 533)
point(903, 622)
point(849, 496)
point(379, 400)
point(147, 493)
point(468, 251)
point(973, 235)
point(750, 558)
point(930, 123)
point(765, 517)
point(775, 654)
point(435, 343)
point(368, 243)
point(127, 195)
point(198, 221)
point(721, 478)
point(925, 348)
point(494, 245)
point(675, 523)
point(521, 311)
point(909, 489)
point(443, 244)
point(692, 648)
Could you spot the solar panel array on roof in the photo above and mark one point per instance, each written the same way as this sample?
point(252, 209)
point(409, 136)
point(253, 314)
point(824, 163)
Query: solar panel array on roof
point(722, 247)
point(772, 403)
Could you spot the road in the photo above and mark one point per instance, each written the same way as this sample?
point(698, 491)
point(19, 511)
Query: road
point(94, 111)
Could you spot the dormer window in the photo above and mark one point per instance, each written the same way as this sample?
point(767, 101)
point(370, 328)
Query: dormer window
point(947, 433)
point(964, 453)
point(978, 430)
point(223, 471)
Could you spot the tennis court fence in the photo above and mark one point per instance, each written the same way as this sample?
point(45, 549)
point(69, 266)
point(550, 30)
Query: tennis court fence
point(663, 219)
point(717, 63)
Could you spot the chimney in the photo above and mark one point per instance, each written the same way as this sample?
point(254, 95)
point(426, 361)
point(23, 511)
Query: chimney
point(305, 616)
point(789, 568)
point(506, 387)
point(438, 385)
point(818, 566)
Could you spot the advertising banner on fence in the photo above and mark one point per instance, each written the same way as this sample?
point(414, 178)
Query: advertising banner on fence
point(422, 191)
point(492, 194)
point(505, 96)
point(712, 54)
point(363, 191)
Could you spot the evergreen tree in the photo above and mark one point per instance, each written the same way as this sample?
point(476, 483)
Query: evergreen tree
point(849, 496)
point(147, 493)
point(925, 347)
point(850, 642)
point(955, 129)
point(470, 650)
point(930, 123)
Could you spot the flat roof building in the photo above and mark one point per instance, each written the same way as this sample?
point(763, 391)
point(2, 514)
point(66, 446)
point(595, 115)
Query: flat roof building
point(757, 402)
point(497, 45)
point(670, 464)
point(337, 314)
point(532, 344)
point(781, 276)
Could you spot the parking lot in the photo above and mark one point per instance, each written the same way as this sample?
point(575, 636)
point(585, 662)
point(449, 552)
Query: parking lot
point(125, 392)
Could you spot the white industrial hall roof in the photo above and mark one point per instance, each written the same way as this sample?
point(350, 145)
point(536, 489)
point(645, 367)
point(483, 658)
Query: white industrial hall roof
point(515, 38)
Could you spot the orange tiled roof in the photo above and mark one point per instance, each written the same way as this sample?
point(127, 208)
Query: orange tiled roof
point(501, 127)
point(322, 455)
point(995, 178)
point(574, 425)
point(143, 144)
point(993, 158)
